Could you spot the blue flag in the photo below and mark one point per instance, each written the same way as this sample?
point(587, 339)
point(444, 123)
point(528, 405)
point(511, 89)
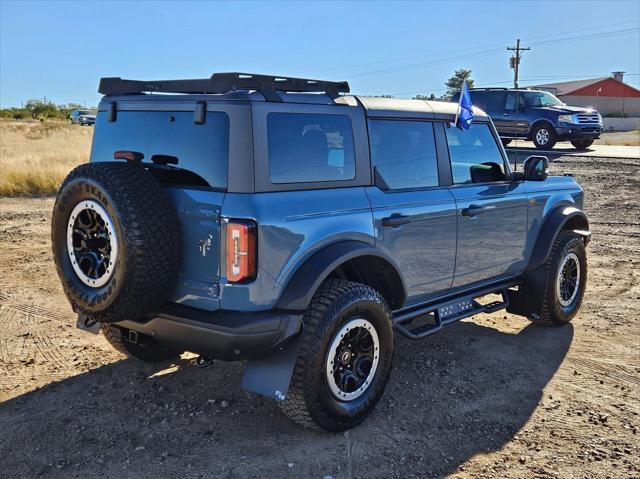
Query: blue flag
point(464, 116)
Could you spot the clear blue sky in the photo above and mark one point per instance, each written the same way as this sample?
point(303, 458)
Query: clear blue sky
point(61, 49)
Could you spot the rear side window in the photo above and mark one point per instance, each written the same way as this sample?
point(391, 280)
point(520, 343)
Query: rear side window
point(475, 156)
point(202, 149)
point(404, 153)
point(306, 148)
point(488, 100)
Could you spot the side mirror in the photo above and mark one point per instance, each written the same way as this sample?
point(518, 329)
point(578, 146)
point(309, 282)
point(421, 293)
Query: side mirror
point(535, 168)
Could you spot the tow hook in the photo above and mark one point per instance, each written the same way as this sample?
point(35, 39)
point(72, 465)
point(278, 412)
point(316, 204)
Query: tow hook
point(203, 361)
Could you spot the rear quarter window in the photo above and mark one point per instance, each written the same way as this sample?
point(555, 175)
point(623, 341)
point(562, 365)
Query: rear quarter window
point(202, 149)
point(305, 148)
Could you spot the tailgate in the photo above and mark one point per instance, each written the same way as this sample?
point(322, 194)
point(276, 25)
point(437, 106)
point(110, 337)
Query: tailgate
point(198, 211)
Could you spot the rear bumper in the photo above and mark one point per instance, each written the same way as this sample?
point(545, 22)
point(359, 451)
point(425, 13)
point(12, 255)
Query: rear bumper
point(225, 335)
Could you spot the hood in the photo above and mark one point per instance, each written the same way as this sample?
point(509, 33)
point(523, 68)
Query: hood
point(567, 109)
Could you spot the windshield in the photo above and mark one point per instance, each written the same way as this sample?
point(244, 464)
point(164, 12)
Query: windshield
point(541, 98)
point(85, 112)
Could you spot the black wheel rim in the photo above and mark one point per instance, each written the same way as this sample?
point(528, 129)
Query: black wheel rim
point(352, 359)
point(568, 281)
point(91, 243)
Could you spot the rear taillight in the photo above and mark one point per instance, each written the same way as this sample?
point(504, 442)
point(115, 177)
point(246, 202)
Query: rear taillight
point(241, 251)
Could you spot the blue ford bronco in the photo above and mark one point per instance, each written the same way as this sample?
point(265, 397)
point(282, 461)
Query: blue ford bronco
point(285, 222)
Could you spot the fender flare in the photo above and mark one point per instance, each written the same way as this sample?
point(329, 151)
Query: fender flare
point(303, 284)
point(556, 221)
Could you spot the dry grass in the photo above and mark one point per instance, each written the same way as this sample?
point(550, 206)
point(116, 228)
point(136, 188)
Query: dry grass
point(626, 138)
point(35, 157)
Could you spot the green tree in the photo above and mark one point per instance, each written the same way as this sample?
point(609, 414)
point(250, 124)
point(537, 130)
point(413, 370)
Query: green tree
point(431, 97)
point(41, 109)
point(454, 84)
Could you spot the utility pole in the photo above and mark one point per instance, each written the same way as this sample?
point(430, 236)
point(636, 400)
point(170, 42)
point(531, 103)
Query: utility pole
point(515, 61)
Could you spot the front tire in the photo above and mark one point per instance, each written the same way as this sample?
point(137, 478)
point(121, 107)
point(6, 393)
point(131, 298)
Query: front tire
point(544, 137)
point(344, 358)
point(566, 279)
point(582, 144)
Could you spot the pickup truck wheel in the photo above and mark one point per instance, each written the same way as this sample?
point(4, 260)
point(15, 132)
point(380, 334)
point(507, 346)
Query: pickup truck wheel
point(147, 352)
point(116, 241)
point(344, 360)
point(582, 144)
point(544, 137)
point(566, 279)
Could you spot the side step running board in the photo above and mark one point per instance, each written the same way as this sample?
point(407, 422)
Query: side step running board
point(431, 319)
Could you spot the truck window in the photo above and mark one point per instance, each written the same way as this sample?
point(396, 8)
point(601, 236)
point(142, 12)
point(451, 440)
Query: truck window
point(404, 153)
point(310, 148)
point(475, 155)
point(488, 100)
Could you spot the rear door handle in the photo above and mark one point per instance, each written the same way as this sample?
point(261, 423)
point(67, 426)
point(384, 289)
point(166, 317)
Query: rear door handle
point(473, 210)
point(396, 219)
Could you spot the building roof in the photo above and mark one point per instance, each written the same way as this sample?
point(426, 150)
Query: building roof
point(563, 88)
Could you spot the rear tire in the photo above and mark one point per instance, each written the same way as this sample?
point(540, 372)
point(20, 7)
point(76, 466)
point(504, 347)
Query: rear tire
point(566, 279)
point(341, 316)
point(150, 352)
point(544, 137)
point(582, 144)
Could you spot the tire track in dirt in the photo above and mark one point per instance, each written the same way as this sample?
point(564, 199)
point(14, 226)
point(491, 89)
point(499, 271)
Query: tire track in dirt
point(605, 370)
point(31, 309)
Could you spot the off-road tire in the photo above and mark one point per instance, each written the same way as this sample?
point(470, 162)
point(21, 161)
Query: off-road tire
point(582, 144)
point(551, 142)
point(552, 311)
point(309, 401)
point(147, 234)
point(149, 352)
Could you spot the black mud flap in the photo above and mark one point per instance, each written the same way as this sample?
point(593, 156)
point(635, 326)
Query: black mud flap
point(527, 300)
point(270, 375)
point(88, 325)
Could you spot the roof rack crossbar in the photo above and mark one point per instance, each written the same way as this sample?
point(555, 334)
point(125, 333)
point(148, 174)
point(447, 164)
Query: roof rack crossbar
point(222, 83)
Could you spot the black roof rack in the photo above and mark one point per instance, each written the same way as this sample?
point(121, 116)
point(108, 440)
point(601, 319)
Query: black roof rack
point(223, 83)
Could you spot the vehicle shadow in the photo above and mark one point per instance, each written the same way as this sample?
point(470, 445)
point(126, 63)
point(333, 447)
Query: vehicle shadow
point(464, 391)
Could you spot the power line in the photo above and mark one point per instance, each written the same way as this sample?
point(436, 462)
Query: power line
point(491, 45)
point(492, 51)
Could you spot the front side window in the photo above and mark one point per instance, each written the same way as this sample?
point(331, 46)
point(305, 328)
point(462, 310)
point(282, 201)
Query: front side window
point(475, 155)
point(541, 99)
point(404, 153)
point(310, 148)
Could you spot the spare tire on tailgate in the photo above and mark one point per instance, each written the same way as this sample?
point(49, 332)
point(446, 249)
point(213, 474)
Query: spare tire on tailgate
point(116, 241)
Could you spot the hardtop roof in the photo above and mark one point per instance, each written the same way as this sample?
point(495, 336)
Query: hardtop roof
point(374, 106)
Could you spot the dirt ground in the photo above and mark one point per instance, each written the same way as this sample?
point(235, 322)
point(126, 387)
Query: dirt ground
point(494, 396)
